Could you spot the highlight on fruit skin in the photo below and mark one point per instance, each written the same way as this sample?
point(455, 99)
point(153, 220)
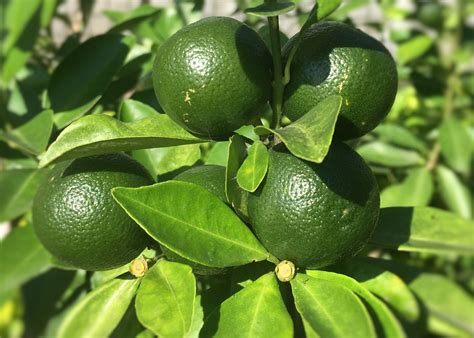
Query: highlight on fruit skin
point(213, 76)
point(337, 59)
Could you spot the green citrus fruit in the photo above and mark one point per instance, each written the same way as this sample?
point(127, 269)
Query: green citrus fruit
point(77, 219)
point(315, 214)
point(334, 58)
point(212, 178)
point(213, 76)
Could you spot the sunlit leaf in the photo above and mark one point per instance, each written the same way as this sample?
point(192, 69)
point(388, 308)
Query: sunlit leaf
point(252, 171)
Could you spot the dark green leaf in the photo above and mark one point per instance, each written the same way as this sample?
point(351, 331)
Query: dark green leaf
point(424, 229)
point(132, 19)
point(83, 76)
point(256, 311)
point(165, 299)
point(310, 136)
point(453, 193)
point(330, 310)
point(456, 146)
point(97, 314)
point(18, 188)
point(33, 136)
point(400, 136)
point(100, 134)
point(192, 222)
point(390, 325)
point(23, 104)
point(384, 154)
point(415, 190)
point(413, 48)
point(236, 196)
point(271, 9)
point(252, 172)
point(22, 257)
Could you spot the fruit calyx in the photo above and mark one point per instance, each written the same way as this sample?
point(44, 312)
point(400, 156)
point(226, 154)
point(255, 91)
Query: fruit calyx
point(285, 271)
point(138, 267)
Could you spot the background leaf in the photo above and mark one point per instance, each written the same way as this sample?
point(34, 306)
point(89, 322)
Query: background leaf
point(453, 193)
point(310, 136)
point(388, 155)
point(424, 229)
point(252, 172)
point(456, 146)
point(192, 222)
point(84, 74)
point(400, 136)
point(256, 311)
point(101, 134)
point(320, 302)
point(97, 314)
point(165, 299)
point(271, 9)
point(135, 17)
point(413, 48)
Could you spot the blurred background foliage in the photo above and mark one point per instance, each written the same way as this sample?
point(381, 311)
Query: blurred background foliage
point(422, 154)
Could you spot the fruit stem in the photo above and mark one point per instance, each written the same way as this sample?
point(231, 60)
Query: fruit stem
point(278, 85)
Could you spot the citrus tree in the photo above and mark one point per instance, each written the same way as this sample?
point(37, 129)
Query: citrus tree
point(196, 177)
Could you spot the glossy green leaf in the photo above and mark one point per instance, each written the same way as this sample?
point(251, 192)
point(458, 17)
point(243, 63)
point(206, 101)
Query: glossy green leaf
point(252, 172)
point(135, 17)
point(384, 283)
point(413, 48)
point(18, 188)
point(330, 310)
point(268, 9)
point(310, 136)
point(236, 196)
point(453, 193)
point(415, 190)
point(97, 314)
point(99, 278)
point(424, 229)
point(22, 257)
point(33, 136)
point(400, 136)
point(192, 222)
point(456, 146)
point(84, 74)
point(257, 310)
point(197, 321)
point(100, 134)
point(388, 322)
point(165, 299)
point(387, 155)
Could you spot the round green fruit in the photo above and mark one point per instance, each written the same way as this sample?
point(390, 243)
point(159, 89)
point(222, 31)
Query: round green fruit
point(336, 59)
point(315, 214)
point(212, 76)
point(78, 221)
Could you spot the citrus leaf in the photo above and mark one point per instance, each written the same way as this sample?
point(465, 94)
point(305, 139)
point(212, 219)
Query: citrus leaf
point(99, 278)
point(385, 284)
point(400, 136)
point(310, 136)
point(83, 76)
point(102, 134)
point(415, 190)
point(453, 193)
point(456, 146)
point(271, 9)
point(252, 172)
point(197, 321)
point(387, 155)
point(413, 49)
point(424, 229)
point(257, 310)
point(218, 154)
point(22, 257)
point(33, 136)
point(192, 222)
point(236, 196)
point(18, 189)
point(390, 325)
point(165, 299)
point(97, 314)
point(319, 303)
point(135, 17)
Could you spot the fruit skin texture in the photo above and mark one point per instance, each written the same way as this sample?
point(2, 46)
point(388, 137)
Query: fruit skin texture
point(78, 221)
point(335, 58)
point(212, 76)
point(212, 178)
point(315, 214)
